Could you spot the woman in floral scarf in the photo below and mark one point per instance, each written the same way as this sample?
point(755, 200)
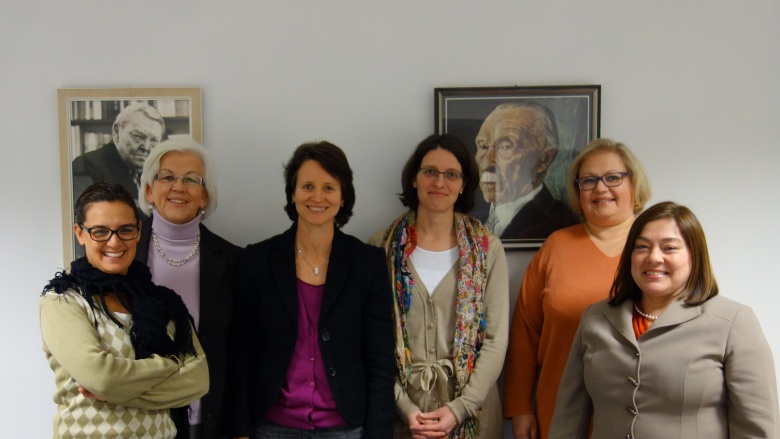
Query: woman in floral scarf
point(450, 299)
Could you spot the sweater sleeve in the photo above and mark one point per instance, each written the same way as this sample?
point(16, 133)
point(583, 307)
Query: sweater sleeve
point(69, 336)
point(522, 363)
point(488, 366)
point(403, 403)
point(188, 384)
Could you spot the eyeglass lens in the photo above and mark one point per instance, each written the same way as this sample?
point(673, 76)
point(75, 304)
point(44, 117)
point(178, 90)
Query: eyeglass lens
point(609, 180)
point(100, 234)
point(170, 179)
point(433, 173)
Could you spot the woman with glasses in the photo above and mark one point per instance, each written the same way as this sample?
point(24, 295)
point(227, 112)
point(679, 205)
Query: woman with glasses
point(450, 299)
point(122, 349)
point(574, 268)
point(666, 356)
point(312, 350)
point(178, 191)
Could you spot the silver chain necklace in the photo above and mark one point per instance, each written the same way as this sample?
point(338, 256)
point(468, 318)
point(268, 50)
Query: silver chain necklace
point(315, 269)
point(175, 262)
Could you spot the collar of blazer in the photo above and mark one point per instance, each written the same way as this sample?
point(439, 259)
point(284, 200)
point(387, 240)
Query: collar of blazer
point(283, 263)
point(212, 258)
point(677, 312)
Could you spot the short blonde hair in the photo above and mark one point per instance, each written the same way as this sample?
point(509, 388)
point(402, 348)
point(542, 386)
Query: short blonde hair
point(641, 184)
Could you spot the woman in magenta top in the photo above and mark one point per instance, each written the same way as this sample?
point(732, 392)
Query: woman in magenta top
point(313, 344)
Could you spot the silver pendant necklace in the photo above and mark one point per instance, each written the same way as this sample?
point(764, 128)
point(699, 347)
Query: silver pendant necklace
point(175, 262)
point(316, 270)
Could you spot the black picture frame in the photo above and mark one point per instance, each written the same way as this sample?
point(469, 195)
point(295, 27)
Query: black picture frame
point(575, 111)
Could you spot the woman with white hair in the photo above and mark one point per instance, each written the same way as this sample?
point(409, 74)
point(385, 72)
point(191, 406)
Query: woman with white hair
point(178, 190)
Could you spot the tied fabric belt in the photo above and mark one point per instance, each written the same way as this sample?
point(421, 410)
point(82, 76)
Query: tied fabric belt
point(426, 377)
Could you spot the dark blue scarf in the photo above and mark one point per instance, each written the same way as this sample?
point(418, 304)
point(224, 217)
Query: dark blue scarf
point(152, 307)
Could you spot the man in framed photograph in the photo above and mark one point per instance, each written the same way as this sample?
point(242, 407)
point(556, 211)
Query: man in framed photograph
point(516, 145)
point(137, 129)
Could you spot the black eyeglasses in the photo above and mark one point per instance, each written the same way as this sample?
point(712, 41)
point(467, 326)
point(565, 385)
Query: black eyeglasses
point(610, 180)
point(103, 234)
point(448, 175)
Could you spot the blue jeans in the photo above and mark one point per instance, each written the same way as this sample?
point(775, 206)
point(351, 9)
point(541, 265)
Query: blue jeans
point(272, 431)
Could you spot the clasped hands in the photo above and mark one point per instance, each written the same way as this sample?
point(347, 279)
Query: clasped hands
point(438, 423)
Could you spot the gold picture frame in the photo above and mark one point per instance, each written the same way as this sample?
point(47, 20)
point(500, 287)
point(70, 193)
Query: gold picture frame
point(86, 124)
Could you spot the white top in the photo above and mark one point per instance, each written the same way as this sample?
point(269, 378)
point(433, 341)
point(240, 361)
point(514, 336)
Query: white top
point(432, 266)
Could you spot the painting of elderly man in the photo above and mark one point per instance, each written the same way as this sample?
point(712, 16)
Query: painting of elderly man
point(523, 141)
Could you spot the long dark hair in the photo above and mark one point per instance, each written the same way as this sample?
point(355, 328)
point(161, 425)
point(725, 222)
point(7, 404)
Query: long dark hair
point(701, 285)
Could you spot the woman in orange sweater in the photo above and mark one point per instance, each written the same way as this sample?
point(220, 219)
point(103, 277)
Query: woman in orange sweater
point(573, 269)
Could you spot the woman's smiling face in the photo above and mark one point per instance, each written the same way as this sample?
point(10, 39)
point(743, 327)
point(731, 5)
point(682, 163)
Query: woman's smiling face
point(115, 255)
point(180, 202)
point(660, 261)
point(317, 195)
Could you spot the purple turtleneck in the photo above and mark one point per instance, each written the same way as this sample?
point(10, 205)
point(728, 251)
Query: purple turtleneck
point(177, 241)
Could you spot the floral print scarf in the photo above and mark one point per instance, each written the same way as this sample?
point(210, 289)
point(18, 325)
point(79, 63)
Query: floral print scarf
point(472, 238)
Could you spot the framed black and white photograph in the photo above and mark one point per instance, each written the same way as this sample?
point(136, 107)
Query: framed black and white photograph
point(107, 133)
point(523, 140)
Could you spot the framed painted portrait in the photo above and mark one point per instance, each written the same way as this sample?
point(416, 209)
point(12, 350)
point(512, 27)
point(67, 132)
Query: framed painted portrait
point(107, 133)
point(523, 140)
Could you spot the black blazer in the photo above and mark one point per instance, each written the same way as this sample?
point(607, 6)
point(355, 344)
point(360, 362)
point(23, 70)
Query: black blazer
point(355, 333)
point(218, 262)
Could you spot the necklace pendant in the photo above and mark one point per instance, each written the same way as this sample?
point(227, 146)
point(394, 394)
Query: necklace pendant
point(316, 270)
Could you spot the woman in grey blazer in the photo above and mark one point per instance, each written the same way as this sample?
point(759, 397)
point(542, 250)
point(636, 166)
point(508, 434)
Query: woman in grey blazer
point(665, 357)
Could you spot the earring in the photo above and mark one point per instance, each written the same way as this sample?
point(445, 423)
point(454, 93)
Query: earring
point(461, 192)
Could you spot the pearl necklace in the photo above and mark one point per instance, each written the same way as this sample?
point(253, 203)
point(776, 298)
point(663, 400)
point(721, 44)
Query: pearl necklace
point(315, 269)
point(645, 315)
point(175, 262)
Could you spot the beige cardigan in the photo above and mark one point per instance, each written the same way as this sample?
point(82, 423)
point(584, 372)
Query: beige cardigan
point(85, 348)
point(699, 372)
point(431, 331)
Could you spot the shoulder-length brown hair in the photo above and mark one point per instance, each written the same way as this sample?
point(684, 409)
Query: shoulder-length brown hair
point(701, 285)
point(334, 162)
point(468, 166)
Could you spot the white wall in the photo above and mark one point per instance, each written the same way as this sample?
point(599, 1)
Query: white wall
point(691, 86)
